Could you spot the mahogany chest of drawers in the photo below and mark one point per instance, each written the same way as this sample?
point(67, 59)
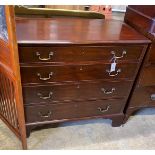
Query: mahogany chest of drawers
point(77, 69)
point(142, 18)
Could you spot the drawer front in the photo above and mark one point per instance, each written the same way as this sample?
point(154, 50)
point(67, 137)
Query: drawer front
point(147, 76)
point(151, 52)
point(143, 97)
point(76, 54)
point(73, 110)
point(77, 92)
point(44, 74)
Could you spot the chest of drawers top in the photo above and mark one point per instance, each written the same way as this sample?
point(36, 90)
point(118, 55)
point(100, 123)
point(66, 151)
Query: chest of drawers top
point(75, 31)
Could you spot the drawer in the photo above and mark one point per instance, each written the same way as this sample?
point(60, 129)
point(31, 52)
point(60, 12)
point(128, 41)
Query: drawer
point(143, 97)
point(72, 110)
point(151, 58)
point(78, 53)
point(77, 92)
point(44, 74)
point(147, 76)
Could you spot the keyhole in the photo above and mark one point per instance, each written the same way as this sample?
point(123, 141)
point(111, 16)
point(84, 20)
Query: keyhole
point(81, 68)
point(78, 86)
point(83, 52)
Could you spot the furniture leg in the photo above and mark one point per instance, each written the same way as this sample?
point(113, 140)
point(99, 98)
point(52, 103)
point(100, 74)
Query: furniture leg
point(117, 120)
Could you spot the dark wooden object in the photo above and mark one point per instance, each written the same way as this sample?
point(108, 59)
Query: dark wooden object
point(67, 69)
point(142, 18)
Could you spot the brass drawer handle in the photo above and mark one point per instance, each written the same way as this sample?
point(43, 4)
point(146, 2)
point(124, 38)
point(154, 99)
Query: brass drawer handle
point(153, 97)
point(108, 92)
point(104, 110)
point(49, 113)
point(118, 57)
point(45, 97)
point(45, 59)
point(110, 73)
point(44, 79)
